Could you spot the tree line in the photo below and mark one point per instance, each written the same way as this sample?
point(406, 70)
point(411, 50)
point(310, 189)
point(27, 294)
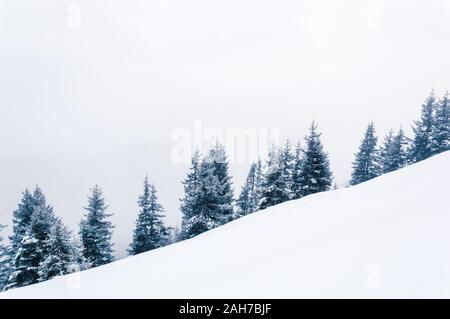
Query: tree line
point(431, 136)
point(42, 247)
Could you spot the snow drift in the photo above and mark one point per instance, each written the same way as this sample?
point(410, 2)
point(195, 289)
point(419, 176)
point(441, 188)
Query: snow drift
point(389, 237)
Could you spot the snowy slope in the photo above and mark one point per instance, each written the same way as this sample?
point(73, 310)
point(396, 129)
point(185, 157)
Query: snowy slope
point(389, 237)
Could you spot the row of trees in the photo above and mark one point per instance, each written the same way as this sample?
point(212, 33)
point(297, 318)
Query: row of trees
point(431, 137)
point(41, 246)
point(209, 202)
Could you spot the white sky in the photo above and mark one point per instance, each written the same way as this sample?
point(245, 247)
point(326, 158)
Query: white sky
point(98, 103)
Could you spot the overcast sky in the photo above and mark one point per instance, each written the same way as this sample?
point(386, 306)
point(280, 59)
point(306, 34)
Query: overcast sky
point(92, 91)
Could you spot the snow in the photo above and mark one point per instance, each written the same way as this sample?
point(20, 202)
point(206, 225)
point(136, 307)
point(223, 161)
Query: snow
point(388, 237)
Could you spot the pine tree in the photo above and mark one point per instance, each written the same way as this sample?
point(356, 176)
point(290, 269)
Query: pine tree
point(4, 261)
point(217, 159)
point(248, 201)
point(208, 201)
point(274, 189)
point(287, 166)
point(22, 219)
point(42, 221)
point(367, 161)
point(96, 231)
point(394, 154)
point(441, 128)
point(190, 202)
point(384, 150)
point(296, 188)
point(25, 263)
point(422, 144)
point(62, 253)
point(33, 223)
point(150, 232)
point(315, 175)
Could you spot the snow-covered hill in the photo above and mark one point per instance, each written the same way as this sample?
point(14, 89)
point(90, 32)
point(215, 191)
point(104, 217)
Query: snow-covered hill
point(389, 237)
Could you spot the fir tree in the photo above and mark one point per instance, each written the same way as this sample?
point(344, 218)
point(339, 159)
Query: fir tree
point(4, 267)
point(96, 231)
point(190, 203)
point(25, 263)
point(287, 166)
point(33, 223)
point(441, 128)
point(208, 201)
point(22, 219)
point(367, 161)
point(217, 159)
point(296, 188)
point(315, 174)
point(422, 144)
point(248, 201)
point(62, 254)
point(150, 232)
point(394, 154)
point(385, 147)
point(274, 188)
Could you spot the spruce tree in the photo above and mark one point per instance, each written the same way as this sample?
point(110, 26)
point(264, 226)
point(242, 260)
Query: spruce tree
point(208, 201)
point(422, 144)
point(296, 188)
point(394, 153)
point(274, 188)
point(62, 253)
point(33, 224)
point(217, 159)
point(4, 267)
point(367, 161)
point(287, 166)
point(96, 231)
point(248, 201)
point(189, 203)
point(384, 149)
point(150, 232)
point(315, 174)
point(25, 263)
point(22, 219)
point(441, 128)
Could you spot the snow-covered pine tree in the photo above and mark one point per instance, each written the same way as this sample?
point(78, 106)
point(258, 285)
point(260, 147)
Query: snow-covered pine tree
point(367, 160)
point(287, 166)
point(34, 246)
point(4, 260)
point(274, 189)
point(25, 263)
point(296, 188)
point(21, 224)
point(21, 219)
point(96, 231)
point(217, 158)
point(189, 203)
point(62, 253)
point(248, 201)
point(315, 174)
point(150, 232)
point(422, 143)
point(244, 203)
point(384, 150)
point(208, 201)
point(441, 128)
point(394, 153)
point(42, 221)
